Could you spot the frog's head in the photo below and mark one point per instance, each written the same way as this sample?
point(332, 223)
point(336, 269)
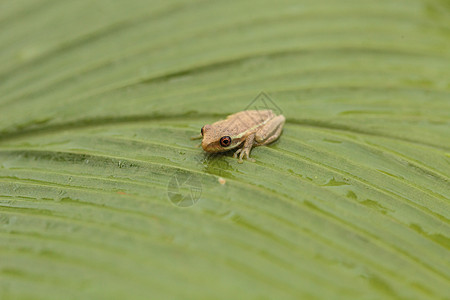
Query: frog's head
point(218, 139)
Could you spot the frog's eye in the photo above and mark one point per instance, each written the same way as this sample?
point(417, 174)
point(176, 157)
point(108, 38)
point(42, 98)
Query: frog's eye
point(225, 141)
point(201, 130)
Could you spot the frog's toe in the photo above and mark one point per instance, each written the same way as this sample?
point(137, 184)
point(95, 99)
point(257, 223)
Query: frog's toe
point(242, 155)
point(245, 154)
point(237, 152)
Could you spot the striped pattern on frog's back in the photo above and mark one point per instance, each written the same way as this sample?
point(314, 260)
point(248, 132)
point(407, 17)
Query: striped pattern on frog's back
point(250, 119)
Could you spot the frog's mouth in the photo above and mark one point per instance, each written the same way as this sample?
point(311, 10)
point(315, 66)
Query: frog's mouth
point(216, 147)
point(213, 147)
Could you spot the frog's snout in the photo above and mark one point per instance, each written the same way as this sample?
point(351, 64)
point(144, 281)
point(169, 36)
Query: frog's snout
point(204, 145)
point(207, 146)
point(211, 147)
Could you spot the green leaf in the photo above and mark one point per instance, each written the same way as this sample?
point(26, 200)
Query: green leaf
point(103, 194)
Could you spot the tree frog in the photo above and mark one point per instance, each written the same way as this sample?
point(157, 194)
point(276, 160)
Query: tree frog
point(249, 128)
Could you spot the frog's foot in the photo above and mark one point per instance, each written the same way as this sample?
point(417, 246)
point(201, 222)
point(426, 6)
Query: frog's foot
point(237, 152)
point(196, 137)
point(244, 152)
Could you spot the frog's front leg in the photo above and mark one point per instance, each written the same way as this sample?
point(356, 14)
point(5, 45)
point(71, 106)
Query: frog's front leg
point(270, 132)
point(196, 137)
point(245, 150)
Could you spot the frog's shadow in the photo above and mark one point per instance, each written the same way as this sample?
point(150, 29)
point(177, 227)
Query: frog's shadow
point(214, 163)
point(216, 159)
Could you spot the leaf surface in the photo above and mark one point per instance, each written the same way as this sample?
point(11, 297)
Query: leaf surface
point(103, 194)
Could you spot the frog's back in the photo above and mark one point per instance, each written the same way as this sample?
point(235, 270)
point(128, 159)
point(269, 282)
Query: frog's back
point(248, 119)
point(252, 117)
